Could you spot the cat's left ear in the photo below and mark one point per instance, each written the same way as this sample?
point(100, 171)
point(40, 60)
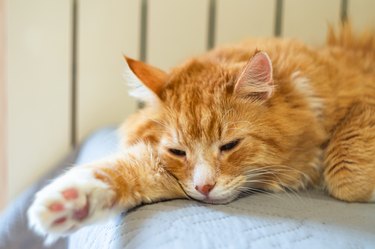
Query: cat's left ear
point(145, 80)
point(255, 81)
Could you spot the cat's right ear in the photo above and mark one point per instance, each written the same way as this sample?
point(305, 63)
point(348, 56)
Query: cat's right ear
point(145, 80)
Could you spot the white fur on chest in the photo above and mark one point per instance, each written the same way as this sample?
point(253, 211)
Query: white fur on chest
point(303, 85)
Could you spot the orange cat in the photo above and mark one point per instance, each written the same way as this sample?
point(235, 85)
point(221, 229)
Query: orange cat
point(269, 114)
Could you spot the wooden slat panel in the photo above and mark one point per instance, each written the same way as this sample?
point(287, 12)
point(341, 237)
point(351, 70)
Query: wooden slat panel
point(176, 30)
point(107, 29)
point(3, 116)
point(308, 19)
point(239, 19)
point(38, 84)
point(362, 13)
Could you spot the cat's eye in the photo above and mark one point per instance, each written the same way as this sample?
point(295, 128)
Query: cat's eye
point(177, 152)
point(229, 146)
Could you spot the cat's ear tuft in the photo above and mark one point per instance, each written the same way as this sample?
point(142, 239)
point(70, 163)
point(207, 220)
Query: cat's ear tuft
point(255, 81)
point(145, 80)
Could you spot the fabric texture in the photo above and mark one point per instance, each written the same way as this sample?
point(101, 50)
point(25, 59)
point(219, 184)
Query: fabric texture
point(307, 220)
point(14, 232)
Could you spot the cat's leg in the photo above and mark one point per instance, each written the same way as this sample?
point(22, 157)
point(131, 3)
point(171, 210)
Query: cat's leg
point(88, 193)
point(350, 157)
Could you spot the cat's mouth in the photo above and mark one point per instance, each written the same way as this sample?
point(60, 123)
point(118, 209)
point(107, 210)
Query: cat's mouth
point(213, 200)
point(219, 201)
point(219, 194)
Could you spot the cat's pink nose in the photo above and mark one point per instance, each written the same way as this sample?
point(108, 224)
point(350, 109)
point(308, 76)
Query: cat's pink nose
point(205, 189)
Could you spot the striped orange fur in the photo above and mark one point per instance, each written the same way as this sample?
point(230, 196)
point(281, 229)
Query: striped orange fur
point(316, 90)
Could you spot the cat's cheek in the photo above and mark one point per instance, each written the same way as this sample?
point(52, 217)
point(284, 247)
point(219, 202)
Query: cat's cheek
point(231, 168)
point(178, 167)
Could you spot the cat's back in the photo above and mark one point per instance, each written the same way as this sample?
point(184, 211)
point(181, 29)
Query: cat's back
point(337, 73)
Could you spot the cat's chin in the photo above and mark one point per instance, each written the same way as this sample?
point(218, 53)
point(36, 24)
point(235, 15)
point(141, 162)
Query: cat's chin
point(216, 201)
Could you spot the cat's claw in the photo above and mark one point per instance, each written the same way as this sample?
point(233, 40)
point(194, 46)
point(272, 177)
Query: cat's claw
point(69, 202)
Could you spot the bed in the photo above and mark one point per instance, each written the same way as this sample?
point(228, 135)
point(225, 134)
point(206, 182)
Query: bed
point(307, 220)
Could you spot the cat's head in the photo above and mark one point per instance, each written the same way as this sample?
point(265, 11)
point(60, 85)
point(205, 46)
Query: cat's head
point(218, 136)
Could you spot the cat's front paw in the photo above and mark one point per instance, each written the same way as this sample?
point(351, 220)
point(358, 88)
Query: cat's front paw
point(69, 202)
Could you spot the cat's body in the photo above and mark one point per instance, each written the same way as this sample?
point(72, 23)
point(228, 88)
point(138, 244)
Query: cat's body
point(292, 117)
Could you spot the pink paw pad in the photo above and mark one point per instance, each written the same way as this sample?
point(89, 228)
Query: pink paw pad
point(82, 213)
point(56, 207)
point(70, 194)
point(59, 221)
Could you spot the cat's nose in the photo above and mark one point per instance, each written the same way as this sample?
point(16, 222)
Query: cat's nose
point(205, 189)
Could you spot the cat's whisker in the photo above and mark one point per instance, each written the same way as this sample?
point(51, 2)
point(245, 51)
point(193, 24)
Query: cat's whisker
point(279, 182)
point(264, 192)
point(287, 187)
point(281, 170)
point(243, 185)
point(286, 191)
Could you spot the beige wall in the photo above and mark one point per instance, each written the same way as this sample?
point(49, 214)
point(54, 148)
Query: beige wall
point(3, 162)
point(38, 82)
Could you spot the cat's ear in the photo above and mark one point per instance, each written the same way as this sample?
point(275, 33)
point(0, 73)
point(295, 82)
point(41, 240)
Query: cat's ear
point(255, 81)
point(145, 80)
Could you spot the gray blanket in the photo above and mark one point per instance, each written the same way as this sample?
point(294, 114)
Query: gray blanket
point(14, 232)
